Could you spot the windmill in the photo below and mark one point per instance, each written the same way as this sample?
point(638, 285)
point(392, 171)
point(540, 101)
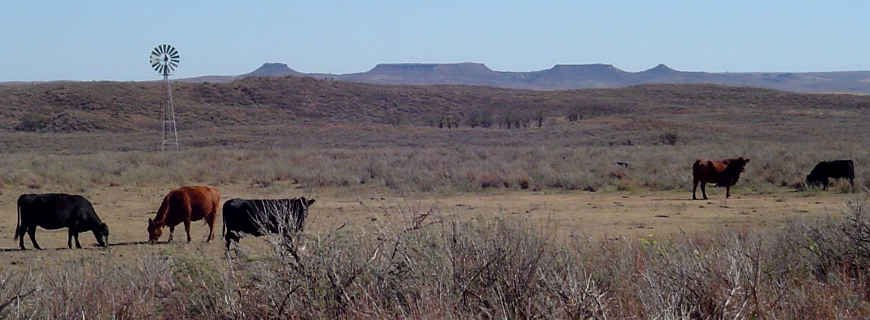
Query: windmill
point(164, 59)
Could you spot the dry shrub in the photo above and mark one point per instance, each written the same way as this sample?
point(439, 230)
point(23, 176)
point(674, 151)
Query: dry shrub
point(414, 262)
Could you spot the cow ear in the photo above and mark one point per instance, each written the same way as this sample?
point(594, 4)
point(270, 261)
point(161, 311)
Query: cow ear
point(310, 202)
point(746, 160)
point(150, 222)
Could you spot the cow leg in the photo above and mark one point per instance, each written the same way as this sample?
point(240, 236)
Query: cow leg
point(21, 239)
point(704, 189)
point(694, 188)
point(73, 233)
point(210, 220)
point(76, 236)
point(852, 183)
point(230, 237)
point(171, 231)
point(32, 233)
point(727, 192)
point(187, 229)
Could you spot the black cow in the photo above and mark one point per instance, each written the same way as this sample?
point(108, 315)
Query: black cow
point(55, 211)
point(257, 217)
point(831, 169)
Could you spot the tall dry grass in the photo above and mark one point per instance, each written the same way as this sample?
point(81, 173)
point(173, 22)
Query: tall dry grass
point(461, 168)
point(425, 266)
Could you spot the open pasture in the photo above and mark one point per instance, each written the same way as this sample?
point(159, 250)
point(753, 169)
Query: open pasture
point(600, 215)
point(600, 208)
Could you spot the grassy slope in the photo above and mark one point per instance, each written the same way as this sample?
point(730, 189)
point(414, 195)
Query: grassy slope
point(134, 106)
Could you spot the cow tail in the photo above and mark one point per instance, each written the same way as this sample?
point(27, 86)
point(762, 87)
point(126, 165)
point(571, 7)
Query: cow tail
point(224, 233)
point(851, 169)
point(18, 230)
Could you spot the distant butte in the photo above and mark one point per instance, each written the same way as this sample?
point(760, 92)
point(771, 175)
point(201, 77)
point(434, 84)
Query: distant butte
point(570, 76)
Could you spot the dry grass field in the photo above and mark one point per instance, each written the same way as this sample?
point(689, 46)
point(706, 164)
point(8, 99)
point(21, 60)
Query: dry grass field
point(417, 221)
point(600, 215)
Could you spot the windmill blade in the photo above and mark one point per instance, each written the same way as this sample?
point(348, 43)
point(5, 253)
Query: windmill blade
point(164, 59)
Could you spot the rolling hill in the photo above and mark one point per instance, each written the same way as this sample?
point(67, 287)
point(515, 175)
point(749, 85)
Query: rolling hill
point(254, 101)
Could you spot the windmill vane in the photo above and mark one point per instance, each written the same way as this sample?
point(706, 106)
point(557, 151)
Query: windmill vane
point(164, 59)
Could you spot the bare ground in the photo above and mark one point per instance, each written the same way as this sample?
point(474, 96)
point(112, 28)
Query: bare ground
point(598, 215)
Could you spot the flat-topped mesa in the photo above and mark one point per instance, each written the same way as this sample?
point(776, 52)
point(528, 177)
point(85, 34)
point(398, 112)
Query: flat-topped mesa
point(453, 68)
point(592, 67)
point(270, 69)
point(586, 71)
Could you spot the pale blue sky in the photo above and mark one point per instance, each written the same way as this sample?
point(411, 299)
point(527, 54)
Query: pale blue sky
point(110, 40)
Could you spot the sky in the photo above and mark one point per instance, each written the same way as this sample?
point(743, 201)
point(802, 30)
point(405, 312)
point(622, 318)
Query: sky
point(111, 40)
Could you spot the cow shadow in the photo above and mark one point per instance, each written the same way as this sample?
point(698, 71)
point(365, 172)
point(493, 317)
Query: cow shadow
point(133, 243)
point(91, 247)
point(49, 249)
point(674, 199)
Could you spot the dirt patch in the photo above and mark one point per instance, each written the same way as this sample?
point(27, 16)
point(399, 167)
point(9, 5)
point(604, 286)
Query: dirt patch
point(566, 214)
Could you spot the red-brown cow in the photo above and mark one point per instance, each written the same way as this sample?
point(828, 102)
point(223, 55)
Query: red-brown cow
point(185, 204)
point(723, 173)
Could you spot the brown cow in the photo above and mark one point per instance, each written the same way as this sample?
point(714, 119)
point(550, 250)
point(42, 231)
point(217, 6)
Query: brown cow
point(185, 204)
point(723, 173)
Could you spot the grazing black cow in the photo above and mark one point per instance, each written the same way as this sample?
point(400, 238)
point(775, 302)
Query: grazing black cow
point(831, 169)
point(257, 217)
point(55, 211)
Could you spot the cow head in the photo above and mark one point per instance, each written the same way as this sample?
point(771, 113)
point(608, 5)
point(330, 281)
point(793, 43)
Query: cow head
point(732, 172)
point(101, 232)
point(154, 231)
point(307, 203)
point(813, 180)
point(739, 164)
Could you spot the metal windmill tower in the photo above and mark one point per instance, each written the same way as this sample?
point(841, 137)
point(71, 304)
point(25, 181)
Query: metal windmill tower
point(164, 59)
